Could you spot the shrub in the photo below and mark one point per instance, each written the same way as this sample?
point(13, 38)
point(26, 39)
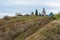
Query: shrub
point(6, 17)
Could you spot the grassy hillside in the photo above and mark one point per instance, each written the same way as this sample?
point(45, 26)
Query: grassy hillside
point(14, 20)
point(11, 27)
point(22, 27)
point(33, 28)
point(50, 32)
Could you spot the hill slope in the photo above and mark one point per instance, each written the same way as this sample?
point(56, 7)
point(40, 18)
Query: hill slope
point(50, 32)
point(22, 27)
point(14, 27)
point(39, 23)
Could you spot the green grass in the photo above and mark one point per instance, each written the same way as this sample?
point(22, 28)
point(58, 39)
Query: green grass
point(57, 16)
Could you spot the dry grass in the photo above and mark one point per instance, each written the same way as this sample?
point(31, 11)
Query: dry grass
point(21, 27)
point(32, 28)
point(49, 32)
point(12, 28)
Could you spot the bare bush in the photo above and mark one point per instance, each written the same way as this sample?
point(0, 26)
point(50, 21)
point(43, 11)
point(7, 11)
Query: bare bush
point(6, 17)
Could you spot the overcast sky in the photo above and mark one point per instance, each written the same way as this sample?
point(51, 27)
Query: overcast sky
point(10, 7)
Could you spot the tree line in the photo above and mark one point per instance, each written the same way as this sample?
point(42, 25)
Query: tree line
point(36, 13)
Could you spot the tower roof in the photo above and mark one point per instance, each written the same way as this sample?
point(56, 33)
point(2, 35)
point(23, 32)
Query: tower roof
point(43, 9)
point(43, 12)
